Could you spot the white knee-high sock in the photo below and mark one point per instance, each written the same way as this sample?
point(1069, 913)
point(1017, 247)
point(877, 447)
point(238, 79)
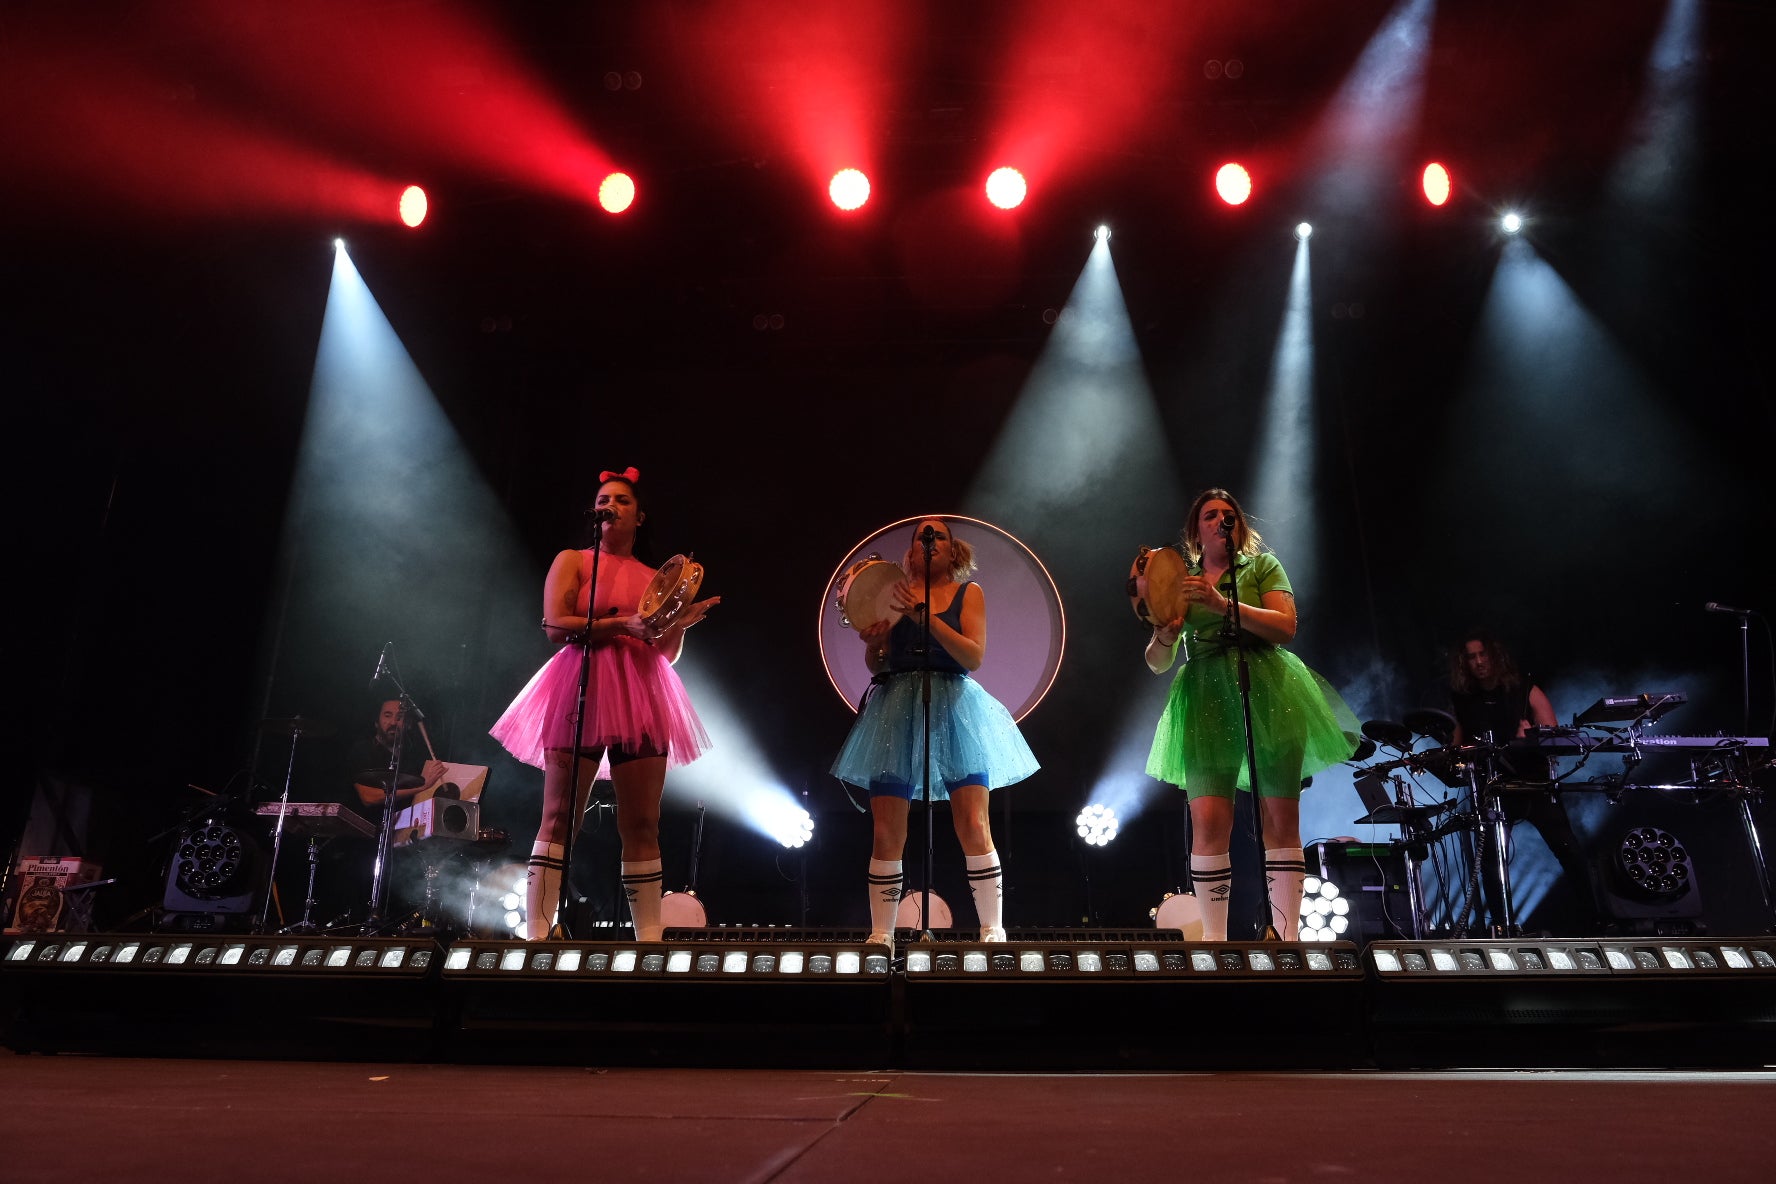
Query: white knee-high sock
point(1284, 870)
point(886, 881)
point(641, 884)
point(1213, 877)
point(986, 880)
point(542, 889)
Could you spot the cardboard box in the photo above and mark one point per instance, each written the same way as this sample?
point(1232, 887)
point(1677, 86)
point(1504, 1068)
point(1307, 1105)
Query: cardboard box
point(39, 905)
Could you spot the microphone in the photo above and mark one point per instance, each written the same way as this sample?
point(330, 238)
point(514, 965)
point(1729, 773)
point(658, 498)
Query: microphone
point(928, 537)
point(604, 515)
point(381, 663)
point(1716, 607)
point(1226, 521)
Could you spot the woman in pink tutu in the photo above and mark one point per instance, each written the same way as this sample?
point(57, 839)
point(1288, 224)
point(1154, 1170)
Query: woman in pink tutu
point(637, 713)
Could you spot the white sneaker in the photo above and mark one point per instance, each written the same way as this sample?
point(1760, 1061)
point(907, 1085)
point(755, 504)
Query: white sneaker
point(882, 939)
point(993, 933)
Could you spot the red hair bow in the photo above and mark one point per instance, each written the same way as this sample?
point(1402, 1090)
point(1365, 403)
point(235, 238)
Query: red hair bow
point(630, 474)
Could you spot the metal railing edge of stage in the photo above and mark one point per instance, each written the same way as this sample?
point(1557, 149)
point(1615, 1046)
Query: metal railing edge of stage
point(828, 999)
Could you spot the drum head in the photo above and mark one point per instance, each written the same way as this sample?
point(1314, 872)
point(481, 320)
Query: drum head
point(1180, 911)
point(670, 592)
point(682, 910)
point(1025, 624)
point(867, 592)
point(907, 915)
point(1156, 585)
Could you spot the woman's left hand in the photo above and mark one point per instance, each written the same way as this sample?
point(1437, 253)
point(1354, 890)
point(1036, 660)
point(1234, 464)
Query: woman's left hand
point(906, 597)
point(1201, 590)
point(694, 612)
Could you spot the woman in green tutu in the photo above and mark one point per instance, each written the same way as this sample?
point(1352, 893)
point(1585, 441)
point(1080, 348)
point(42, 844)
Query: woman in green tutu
point(1300, 725)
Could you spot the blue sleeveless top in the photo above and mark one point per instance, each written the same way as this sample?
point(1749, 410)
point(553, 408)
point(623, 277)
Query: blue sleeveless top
point(904, 639)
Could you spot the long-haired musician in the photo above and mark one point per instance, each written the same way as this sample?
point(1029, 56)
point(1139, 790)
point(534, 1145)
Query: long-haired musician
point(1493, 702)
point(1300, 725)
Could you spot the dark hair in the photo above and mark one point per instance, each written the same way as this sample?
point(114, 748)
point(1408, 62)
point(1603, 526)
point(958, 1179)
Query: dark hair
point(1247, 540)
point(634, 492)
point(1504, 668)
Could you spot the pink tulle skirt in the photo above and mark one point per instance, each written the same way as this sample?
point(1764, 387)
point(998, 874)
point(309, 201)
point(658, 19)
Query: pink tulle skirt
point(633, 698)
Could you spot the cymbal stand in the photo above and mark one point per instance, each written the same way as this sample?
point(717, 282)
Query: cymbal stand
point(307, 925)
point(1410, 841)
point(277, 832)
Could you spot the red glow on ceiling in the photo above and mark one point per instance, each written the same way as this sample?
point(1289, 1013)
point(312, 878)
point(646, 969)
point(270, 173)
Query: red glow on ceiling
point(817, 80)
point(1085, 77)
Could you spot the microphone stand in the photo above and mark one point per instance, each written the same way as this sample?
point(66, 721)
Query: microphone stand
point(390, 791)
point(573, 768)
point(1230, 632)
point(929, 544)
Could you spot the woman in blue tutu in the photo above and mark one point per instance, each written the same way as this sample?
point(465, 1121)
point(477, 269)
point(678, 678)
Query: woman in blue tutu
point(975, 744)
point(1300, 725)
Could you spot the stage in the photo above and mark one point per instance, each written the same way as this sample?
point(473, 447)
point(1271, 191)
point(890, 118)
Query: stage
point(148, 1119)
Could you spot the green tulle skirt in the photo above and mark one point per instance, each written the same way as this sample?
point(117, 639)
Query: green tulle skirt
point(1300, 725)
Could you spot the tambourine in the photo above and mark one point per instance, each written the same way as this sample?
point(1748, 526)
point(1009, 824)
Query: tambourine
point(866, 594)
point(1156, 585)
point(669, 593)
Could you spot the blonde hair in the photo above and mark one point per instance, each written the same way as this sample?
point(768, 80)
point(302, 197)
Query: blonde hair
point(961, 553)
point(1246, 540)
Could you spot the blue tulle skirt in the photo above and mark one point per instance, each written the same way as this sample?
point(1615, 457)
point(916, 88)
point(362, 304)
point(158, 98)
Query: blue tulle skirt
point(972, 736)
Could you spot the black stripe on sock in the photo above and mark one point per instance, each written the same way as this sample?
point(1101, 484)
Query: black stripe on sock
point(645, 878)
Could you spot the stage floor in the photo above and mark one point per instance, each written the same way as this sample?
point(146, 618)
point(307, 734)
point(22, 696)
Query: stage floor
point(148, 1119)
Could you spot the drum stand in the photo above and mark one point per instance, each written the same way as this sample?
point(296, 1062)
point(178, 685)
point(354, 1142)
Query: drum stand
point(277, 834)
point(1491, 828)
point(307, 925)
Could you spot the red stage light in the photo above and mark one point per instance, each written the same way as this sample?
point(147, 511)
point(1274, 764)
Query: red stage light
point(1233, 183)
point(616, 193)
point(1436, 184)
point(1006, 188)
point(413, 205)
point(849, 189)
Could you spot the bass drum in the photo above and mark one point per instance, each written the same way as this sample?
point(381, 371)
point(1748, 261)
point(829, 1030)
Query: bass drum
point(682, 910)
point(1179, 910)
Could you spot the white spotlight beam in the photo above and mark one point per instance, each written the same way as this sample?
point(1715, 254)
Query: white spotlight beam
point(733, 778)
point(1282, 498)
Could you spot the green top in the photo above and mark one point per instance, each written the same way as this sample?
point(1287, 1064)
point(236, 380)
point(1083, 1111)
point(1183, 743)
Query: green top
point(1258, 574)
